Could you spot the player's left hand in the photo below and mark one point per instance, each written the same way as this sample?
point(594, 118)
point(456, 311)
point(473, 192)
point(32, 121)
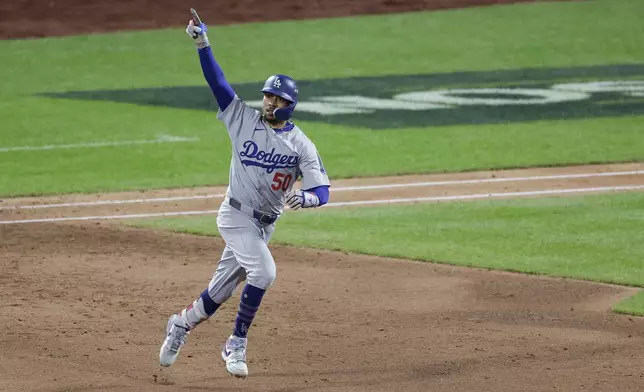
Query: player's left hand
point(297, 199)
point(197, 31)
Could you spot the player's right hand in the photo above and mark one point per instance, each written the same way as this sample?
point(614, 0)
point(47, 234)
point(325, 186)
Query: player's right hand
point(198, 34)
point(297, 199)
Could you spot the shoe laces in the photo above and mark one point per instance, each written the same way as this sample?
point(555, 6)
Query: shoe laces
point(237, 350)
point(178, 336)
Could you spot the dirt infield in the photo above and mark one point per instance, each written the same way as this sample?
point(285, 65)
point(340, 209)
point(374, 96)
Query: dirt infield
point(84, 302)
point(85, 306)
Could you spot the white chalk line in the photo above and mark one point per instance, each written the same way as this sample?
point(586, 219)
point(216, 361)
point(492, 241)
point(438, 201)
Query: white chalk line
point(488, 195)
point(341, 189)
point(108, 217)
point(160, 139)
point(349, 203)
point(490, 180)
point(117, 202)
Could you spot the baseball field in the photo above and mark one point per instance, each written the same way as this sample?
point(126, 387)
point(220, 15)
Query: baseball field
point(486, 224)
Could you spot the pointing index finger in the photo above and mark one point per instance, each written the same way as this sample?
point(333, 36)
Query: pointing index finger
point(195, 17)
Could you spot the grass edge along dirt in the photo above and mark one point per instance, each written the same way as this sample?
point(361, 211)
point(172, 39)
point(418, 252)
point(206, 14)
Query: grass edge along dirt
point(592, 238)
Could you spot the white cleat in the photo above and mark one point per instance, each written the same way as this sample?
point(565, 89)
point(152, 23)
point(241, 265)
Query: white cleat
point(234, 353)
point(175, 338)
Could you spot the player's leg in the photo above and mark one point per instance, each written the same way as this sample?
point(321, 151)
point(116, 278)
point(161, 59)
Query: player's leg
point(224, 281)
point(221, 287)
point(252, 253)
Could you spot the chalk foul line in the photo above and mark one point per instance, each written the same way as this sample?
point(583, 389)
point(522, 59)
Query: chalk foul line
point(109, 217)
point(115, 202)
point(489, 195)
point(159, 139)
point(339, 189)
point(349, 203)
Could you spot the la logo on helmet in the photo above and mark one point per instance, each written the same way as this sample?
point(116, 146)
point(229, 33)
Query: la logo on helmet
point(277, 83)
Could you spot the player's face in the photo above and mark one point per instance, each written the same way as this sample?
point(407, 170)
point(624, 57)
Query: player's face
point(270, 103)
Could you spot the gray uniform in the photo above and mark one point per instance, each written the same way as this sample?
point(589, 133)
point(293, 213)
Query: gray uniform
point(264, 166)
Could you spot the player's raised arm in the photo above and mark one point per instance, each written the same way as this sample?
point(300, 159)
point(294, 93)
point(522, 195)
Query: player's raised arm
point(211, 70)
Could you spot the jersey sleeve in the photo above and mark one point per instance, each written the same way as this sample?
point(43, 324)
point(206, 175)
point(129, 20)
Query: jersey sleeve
point(312, 169)
point(237, 117)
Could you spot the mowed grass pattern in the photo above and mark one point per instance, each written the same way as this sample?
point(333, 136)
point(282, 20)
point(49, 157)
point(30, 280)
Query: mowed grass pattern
point(488, 38)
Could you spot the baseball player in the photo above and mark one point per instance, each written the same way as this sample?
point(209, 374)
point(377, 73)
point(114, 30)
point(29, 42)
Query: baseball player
point(269, 153)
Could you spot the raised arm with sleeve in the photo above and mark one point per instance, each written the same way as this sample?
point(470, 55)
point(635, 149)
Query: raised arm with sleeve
point(213, 73)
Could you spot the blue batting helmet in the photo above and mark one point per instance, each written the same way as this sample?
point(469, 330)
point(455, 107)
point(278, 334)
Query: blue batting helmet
point(285, 87)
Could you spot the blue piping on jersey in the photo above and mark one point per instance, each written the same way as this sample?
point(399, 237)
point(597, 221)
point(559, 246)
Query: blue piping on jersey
point(322, 192)
point(215, 77)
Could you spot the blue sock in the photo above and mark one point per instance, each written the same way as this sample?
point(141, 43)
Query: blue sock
point(250, 299)
point(201, 309)
point(208, 304)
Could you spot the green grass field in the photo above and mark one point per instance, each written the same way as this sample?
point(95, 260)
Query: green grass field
point(596, 237)
point(492, 38)
point(54, 145)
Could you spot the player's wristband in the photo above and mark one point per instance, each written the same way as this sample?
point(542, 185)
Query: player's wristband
point(310, 200)
point(202, 41)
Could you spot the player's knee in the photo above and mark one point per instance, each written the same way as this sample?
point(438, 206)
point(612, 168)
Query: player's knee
point(270, 277)
point(263, 278)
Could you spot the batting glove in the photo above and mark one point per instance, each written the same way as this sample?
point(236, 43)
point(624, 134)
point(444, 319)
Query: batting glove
point(198, 34)
point(301, 199)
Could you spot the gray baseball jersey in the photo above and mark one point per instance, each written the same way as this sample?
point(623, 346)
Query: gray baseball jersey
point(265, 164)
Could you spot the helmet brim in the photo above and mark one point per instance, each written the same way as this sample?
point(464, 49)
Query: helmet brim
point(280, 94)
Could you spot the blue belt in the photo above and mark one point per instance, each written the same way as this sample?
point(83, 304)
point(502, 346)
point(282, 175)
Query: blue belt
point(266, 219)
